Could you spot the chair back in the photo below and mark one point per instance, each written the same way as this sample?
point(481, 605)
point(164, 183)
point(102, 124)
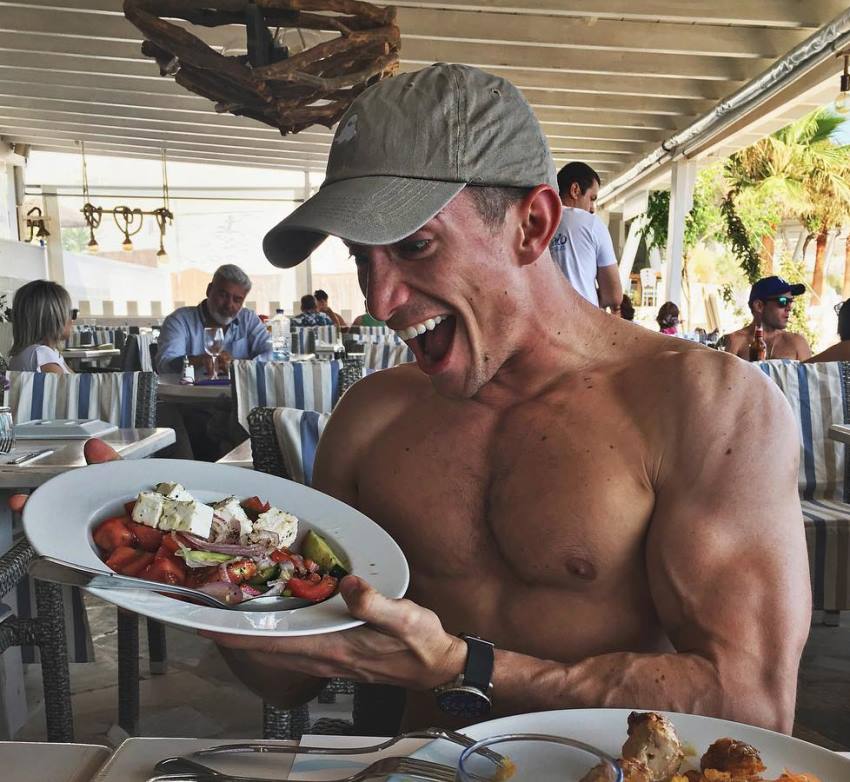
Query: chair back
point(304, 337)
point(818, 397)
point(284, 441)
point(383, 355)
point(304, 385)
point(126, 399)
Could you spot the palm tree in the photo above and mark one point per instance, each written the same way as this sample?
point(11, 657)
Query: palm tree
point(797, 171)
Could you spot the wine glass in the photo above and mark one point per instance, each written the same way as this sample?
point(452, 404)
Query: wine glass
point(213, 343)
point(534, 757)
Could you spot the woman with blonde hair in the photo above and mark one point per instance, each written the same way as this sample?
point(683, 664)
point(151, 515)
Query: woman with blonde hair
point(41, 320)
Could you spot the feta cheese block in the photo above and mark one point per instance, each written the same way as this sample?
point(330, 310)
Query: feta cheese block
point(231, 505)
point(148, 508)
point(284, 524)
point(174, 491)
point(194, 517)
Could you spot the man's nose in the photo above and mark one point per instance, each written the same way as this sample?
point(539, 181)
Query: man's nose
point(385, 289)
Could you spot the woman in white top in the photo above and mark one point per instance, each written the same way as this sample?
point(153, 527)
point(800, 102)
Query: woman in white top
point(41, 320)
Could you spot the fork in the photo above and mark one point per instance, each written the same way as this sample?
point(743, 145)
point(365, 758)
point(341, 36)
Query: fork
point(295, 749)
point(412, 767)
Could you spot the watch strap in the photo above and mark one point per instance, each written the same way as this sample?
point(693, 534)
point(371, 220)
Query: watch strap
point(480, 659)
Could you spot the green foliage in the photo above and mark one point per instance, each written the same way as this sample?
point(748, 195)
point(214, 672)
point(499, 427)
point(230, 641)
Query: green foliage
point(739, 241)
point(702, 221)
point(798, 322)
point(75, 240)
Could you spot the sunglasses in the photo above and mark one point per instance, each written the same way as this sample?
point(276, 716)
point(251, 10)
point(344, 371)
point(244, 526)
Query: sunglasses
point(782, 301)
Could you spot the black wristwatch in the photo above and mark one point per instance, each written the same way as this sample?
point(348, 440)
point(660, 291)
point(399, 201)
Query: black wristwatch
point(469, 694)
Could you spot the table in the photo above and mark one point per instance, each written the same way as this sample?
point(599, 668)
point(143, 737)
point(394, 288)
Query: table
point(75, 356)
point(25, 761)
point(68, 455)
point(170, 389)
point(240, 456)
point(840, 433)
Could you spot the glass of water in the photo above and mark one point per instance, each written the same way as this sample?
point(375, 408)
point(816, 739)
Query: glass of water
point(536, 757)
point(213, 344)
point(7, 430)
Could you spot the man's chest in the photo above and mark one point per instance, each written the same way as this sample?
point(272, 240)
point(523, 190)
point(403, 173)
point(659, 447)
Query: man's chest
point(560, 500)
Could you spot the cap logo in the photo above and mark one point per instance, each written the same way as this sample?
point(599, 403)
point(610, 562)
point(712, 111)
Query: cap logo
point(347, 131)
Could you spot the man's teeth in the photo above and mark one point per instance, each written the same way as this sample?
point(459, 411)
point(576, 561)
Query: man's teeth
point(420, 328)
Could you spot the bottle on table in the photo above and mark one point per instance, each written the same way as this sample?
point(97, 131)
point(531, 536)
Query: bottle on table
point(278, 326)
point(758, 347)
point(188, 374)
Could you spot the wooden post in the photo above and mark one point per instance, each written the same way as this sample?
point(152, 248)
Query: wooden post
point(53, 243)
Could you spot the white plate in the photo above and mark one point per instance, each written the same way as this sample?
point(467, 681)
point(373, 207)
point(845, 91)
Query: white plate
point(606, 730)
point(60, 516)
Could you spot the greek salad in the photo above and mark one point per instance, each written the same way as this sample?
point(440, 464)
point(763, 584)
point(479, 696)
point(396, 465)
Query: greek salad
point(231, 549)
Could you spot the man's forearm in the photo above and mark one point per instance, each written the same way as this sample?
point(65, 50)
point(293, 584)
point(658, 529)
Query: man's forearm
point(665, 682)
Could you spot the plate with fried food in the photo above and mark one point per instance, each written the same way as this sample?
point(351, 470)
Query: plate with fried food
point(664, 747)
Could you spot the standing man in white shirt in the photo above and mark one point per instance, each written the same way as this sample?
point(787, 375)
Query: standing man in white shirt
point(582, 246)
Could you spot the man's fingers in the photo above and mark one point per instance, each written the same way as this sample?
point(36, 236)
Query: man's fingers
point(96, 452)
point(382, 613)
point(17, 502)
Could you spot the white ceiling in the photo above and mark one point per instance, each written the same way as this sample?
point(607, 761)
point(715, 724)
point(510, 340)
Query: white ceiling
point(609, 79)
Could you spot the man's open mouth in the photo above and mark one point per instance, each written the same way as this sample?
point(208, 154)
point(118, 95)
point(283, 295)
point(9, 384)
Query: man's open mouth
point(430, 340)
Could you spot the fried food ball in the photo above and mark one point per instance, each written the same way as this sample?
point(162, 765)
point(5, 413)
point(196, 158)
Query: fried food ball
point(653, 741)
point(740, 760)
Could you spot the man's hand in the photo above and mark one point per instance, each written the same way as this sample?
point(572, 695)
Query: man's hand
point(402, 643)
point(95, 452)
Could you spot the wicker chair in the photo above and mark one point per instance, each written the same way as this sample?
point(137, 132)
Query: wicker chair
point(49, 599)
point(46, 631)
point(377, 709)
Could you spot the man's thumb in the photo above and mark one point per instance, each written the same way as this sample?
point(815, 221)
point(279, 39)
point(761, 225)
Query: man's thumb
point(96, 451)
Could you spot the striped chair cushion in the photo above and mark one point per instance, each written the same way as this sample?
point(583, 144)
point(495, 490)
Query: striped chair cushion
point(298, 433)
point(364, 334)
point(109, 396)
point(383, 355)
point(827, 525)
point(305, 385)
point(304, 337)
point(817, 397)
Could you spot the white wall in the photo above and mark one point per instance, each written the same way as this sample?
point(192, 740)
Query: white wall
point(94, 278)
point(19, 263)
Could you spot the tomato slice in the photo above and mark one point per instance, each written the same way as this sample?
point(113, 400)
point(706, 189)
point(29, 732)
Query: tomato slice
point(166, 570)
point(241, 570)
point(254, 506)
point(301, 587)
point(113, 533)
point(148, 538)
point(129, 561)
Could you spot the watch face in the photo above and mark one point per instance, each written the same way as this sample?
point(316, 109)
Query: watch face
point(464, 702)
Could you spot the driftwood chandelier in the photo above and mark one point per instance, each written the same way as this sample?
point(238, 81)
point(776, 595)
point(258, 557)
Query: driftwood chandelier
point(289, 91)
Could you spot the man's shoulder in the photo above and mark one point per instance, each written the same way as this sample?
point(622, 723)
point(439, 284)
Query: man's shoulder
point(181, 315)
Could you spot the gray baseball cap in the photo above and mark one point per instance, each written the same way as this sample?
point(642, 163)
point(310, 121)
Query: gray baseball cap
point(405, 148)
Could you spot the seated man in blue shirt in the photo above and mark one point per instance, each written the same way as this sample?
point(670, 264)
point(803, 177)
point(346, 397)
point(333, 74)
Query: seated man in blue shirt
point(245, 336)
point(310, 314)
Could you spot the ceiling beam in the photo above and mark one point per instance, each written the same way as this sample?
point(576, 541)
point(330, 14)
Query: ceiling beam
point(603, 34)
point(480, 27)
point(789, 14)
point(430, 51)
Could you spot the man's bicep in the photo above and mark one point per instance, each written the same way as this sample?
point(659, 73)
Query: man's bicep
point(726, 552)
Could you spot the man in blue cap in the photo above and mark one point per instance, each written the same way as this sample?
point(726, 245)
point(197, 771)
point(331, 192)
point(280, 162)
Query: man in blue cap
point(771, 299)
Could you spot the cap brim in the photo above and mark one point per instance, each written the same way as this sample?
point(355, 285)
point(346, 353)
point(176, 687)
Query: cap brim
point(365, 210)
point(798, 290)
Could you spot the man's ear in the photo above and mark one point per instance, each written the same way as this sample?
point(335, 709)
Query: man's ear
point(540, 214)
point(575, 191)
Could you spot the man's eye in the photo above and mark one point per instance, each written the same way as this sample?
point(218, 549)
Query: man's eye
point(414, 246)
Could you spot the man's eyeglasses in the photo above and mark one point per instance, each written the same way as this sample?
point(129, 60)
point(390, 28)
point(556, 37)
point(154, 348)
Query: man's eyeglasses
point(782, 301)
point(837, 308)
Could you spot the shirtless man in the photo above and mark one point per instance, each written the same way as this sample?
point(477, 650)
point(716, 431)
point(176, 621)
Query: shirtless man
point(584, 493)
point(771, 299)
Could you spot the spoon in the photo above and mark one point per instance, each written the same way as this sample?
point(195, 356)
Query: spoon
point(49, 569)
